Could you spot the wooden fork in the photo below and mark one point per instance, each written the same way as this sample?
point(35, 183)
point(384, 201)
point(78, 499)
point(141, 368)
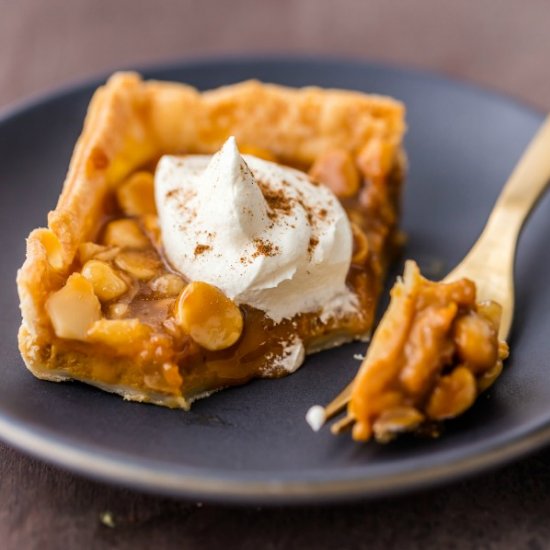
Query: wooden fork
point(490, 262)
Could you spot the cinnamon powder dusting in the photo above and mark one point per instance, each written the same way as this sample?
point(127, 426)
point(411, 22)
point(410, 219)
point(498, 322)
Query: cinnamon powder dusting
point(277, 201)
point(200, 248)
point(264, 248)
point(313, 242)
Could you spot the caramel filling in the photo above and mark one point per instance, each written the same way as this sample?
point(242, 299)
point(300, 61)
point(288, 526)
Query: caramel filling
point(434, 351)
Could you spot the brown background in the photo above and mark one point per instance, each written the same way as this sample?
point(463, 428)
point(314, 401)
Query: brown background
point(504, 44)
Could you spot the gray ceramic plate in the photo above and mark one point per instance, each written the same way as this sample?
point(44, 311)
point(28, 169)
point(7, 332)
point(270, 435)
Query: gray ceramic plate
point(251, 444)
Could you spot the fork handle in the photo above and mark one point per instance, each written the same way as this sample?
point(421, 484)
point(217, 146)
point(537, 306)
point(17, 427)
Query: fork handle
point(524, 187)
point(490, 262)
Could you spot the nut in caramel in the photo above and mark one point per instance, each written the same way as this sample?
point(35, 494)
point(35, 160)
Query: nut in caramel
point(337, 170)
point(208, 316)
point(125, 233)
point(106, 283)
point(136, 195)
point(74, 308)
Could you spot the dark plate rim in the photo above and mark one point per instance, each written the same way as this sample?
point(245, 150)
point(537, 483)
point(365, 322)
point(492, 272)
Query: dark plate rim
point(210, 486)
point(244, 488)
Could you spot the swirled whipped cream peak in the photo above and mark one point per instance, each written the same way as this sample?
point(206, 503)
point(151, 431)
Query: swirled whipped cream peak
point(265, 234)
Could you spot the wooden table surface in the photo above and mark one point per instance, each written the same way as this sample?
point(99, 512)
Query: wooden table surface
point(503, 44)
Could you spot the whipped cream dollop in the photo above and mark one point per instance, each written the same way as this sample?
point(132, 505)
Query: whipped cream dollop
point(265, 234)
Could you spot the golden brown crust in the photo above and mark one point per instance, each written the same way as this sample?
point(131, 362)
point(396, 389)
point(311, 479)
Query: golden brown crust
point(297, 124)
point(130, 122)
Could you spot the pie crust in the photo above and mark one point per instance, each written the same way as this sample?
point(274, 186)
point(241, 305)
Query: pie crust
point(131, 123)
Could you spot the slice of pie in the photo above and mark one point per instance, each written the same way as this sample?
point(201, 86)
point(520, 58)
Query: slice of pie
point(205, 239)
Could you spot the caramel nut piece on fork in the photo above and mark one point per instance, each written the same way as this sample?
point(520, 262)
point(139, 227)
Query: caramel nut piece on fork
point(490, 262)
